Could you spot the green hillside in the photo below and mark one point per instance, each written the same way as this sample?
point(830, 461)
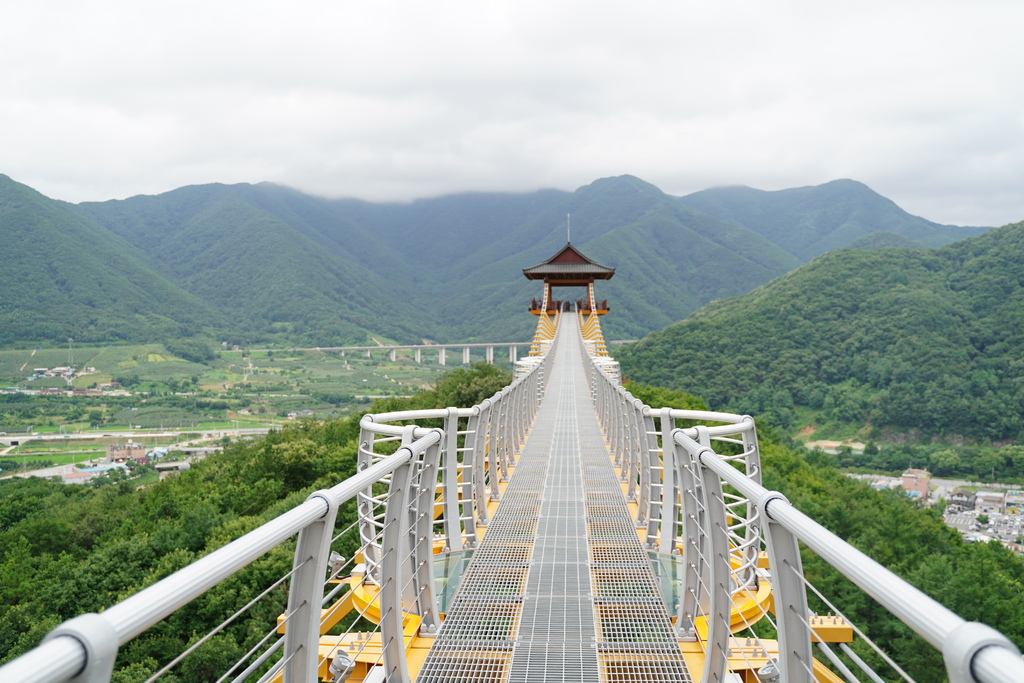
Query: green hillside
point(229, 247)
point(925, 341)
point(62, 275)
point(275, 261)
point(809, 221)
point(881, 239)
point(670, 260)
point(268, 264)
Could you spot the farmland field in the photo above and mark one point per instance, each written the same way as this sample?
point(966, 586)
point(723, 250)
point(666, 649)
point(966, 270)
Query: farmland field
point(232, 387)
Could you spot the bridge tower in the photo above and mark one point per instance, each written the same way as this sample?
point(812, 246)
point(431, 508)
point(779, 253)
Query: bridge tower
point(569, 267)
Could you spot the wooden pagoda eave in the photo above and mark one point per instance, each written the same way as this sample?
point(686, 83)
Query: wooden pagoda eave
point(556, 281)
point(569, 267)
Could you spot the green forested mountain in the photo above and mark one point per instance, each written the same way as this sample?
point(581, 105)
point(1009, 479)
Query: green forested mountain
point(448, 268)
point(256, 255)
point(64, 276)
point(809, 221)
point(669, 260)
point(882, 239)
point(264, 263)
point(901, 339)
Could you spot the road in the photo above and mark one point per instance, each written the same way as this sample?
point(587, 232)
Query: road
point(171, 433)
point(953, 483)
point(66, 469)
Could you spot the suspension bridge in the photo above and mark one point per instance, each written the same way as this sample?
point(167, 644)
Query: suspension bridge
point(561, 530)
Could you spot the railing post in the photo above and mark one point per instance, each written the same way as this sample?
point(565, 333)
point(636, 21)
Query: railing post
point(639, 429)
point(305, 594)
point(720, 575)
point(493, 437)
point(628, 443)
point(622, 434)
point(520, 422)
point(789, 594)
point(421, 538)
point(366, 505)
point(478, 428)
point(670, 490)
point(752, 468)
point(659, 463)
point(393, 547)
point(450, 482)
point(649, 458)
point(504, 433)
point(692, 594)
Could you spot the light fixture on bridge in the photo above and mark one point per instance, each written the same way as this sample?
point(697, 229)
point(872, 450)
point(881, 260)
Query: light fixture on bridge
point(769, 673)
point(341, 666)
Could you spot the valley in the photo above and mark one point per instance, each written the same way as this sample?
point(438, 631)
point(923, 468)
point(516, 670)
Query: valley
point(161, 398)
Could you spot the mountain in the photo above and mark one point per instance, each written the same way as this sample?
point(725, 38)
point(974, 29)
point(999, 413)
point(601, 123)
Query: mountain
point(809, 221)
point(881, 239)
point(263, 257)
point(448, 268)
point(670, 260)
point(265, 263)
point(901, 339)
point(64, 276)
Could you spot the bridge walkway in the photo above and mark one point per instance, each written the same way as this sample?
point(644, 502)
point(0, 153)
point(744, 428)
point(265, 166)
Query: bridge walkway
point(560, 588)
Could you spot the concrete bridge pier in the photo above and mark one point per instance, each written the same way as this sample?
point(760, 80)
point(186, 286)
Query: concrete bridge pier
point(419, 356)
point(441, 356)
point(465, 356)
point(513, 354)
point(490, 355)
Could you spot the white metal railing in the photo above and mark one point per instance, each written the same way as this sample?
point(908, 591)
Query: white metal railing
point(84, 648)
point(425, 480)
point(972, 651)
point(711, 507)
point(697, 490)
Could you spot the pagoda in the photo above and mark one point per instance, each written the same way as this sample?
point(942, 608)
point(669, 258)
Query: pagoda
point(569, 267)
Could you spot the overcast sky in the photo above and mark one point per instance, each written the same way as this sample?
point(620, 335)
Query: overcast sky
point(395, 100)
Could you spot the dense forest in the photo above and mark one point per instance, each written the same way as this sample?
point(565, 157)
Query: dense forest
point(925, 343)
point(267, 264)
point(65, 550)
point(809, 221)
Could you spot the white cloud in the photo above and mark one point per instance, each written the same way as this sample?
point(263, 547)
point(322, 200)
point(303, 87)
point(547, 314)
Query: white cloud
point(396, 100)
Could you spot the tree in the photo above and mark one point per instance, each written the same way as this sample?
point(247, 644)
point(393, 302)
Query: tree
point(944, 461)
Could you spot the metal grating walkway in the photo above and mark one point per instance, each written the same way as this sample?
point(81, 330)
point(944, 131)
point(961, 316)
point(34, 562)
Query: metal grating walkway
point(560, 588)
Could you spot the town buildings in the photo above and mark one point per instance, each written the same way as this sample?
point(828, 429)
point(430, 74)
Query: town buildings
point(916, 483)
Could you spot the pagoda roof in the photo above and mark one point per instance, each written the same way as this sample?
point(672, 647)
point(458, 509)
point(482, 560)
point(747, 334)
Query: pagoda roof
point(569, 263)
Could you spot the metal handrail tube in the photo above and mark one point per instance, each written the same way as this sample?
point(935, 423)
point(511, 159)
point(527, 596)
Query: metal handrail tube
point(378, 422)
point(930, 619)
point(192, 581)
point(996, 660)
point(926, 616)
point(421, 414)
point(709, 415)
point(54, 661)
point(135, 614)
point(732, 420)
point(997, 665)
